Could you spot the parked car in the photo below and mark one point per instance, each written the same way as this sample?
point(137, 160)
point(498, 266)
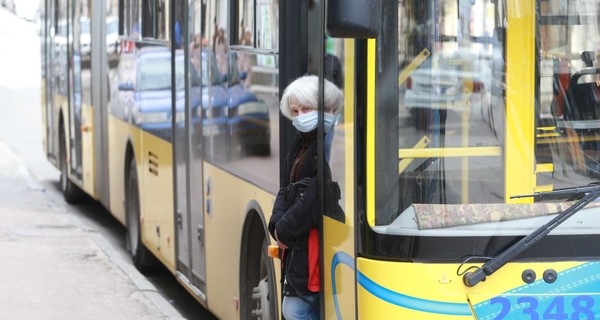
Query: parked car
point(224, 113)
point(144, 95)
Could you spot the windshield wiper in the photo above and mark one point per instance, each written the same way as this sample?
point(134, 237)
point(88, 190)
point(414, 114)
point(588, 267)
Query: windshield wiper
point(559, 193)
point(591, 192)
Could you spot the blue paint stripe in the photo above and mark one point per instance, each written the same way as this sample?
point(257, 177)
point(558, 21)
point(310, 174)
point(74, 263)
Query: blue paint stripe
point(343, 258)
point(401, 300)
point(584, 278)
point(398, 299)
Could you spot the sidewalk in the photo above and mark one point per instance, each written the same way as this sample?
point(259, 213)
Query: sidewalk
point(54, 267)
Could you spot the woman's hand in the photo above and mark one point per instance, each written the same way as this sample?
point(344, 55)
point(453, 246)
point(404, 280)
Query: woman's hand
point(279, 243)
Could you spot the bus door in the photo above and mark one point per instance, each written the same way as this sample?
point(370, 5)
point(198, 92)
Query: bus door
point(49, 29)
point(59, 69)
point(189, 193)
point(63, 82)
point(62, 76)
point(102, 23)
point(338, 213)
point(73, 92)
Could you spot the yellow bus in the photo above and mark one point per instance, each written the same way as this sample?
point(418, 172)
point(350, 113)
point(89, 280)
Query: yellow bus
point(465, 153)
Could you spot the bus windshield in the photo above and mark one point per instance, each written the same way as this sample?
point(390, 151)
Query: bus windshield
point(447, 172)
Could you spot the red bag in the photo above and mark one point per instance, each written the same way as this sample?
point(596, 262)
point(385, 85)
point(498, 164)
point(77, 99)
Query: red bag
point(314, 274)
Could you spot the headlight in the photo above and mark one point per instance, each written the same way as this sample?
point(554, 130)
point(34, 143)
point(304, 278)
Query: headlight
point(152, 117)
point(252, 107)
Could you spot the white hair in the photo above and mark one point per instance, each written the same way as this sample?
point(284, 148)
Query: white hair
point(304, 91)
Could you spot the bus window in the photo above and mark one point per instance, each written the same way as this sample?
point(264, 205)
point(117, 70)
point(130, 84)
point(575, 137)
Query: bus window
point(130, 17)
point(154, 19)
point(336, 153)
point(435, 69)
point(241, 118)
point(245, 11)
point(261, 33)
point(267, 22)
point(568, 134)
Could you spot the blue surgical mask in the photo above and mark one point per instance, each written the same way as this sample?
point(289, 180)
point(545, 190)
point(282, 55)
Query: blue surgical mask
point(308, 122)
point(330, 121)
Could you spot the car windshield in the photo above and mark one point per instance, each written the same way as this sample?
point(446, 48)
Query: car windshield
point(154, 74)
point(194, 78)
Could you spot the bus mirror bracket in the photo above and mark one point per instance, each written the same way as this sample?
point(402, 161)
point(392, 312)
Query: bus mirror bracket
point(356, 19)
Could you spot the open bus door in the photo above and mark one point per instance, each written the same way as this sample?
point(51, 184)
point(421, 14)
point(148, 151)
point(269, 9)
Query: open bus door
point(187, 154)
point(48, 31)
point(356, 20)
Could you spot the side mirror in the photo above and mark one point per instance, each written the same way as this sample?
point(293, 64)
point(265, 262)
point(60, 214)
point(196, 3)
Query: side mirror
point(357, 19)
point(127, 86)
point(243, 75)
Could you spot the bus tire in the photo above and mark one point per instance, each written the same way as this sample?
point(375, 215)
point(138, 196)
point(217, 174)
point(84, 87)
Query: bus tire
point(258, 283)
point(141, 256)
point(71, 192)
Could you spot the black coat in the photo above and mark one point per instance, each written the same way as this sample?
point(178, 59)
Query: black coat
point(293, 218)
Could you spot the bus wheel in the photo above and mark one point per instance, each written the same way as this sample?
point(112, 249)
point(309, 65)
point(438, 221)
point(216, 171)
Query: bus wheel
point(70, 191)
point(260, 295)
point(263, 304)
point(140, 255)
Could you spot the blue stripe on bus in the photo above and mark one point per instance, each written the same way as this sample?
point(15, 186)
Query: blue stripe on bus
point(398, 299)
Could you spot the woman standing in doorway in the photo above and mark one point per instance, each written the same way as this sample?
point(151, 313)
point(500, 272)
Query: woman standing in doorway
point(295, 214)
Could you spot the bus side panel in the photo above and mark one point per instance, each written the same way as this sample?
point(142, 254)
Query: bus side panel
point(225, 208)
point(88, 154)
point(435, 291)
point(153, 158)
point(118, 134)
point(156, 192)
point(410, 291)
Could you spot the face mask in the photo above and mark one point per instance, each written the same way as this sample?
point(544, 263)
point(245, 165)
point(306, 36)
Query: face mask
point(330, 121)
point(308, 121)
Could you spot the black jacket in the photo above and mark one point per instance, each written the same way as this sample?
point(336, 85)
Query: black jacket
point(293, 218)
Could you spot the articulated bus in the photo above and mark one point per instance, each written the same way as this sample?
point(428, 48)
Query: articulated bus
point(465, 153)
